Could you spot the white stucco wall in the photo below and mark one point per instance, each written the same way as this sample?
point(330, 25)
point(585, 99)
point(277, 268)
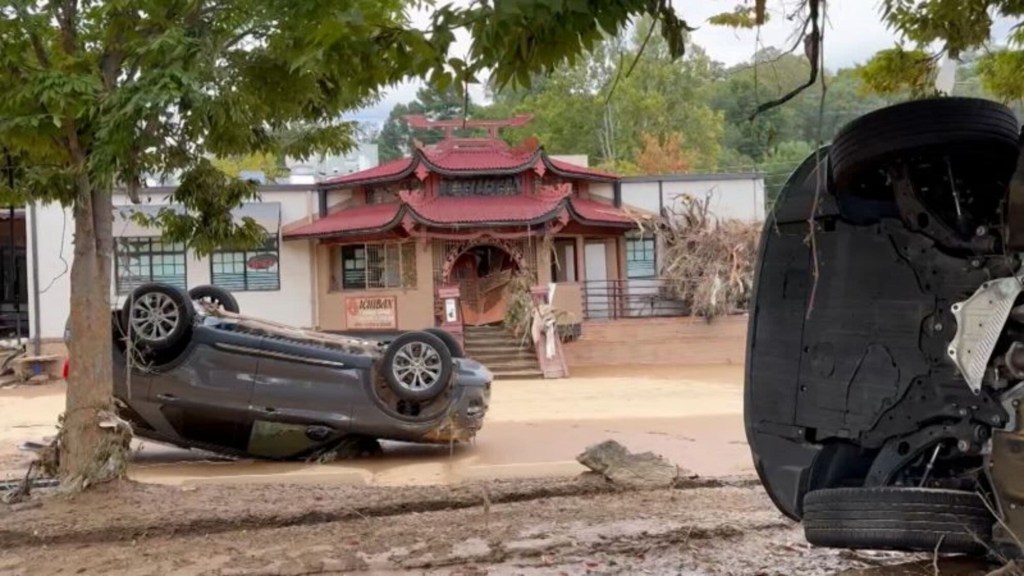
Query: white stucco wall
point(732, 197)
point(641, 195)
point(604, 190)
point(292, 303)
point(577, 159)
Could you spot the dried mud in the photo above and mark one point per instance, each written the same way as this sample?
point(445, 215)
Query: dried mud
point(553, 526)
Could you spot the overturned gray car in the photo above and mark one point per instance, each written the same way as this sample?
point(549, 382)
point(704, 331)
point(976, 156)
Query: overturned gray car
point(204, 376)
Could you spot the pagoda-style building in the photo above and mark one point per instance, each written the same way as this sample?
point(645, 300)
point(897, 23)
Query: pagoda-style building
point(465, 212)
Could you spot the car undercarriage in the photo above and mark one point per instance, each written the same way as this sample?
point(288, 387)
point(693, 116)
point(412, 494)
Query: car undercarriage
point(885, 361)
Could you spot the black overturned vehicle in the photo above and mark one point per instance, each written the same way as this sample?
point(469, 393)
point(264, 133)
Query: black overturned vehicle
point(204, 376)
point(885, 365)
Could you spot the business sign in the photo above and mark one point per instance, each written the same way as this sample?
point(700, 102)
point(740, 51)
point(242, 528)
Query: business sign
point(371, 313)
point(262, 261)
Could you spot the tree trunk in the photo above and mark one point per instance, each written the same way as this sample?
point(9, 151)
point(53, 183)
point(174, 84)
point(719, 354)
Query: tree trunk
point(91, 453)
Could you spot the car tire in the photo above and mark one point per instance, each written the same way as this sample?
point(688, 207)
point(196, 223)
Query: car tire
point(890, 518)
point(453, 345)
point(417, 366)
point(957, 125)
point(214, 295)
point(151, 330)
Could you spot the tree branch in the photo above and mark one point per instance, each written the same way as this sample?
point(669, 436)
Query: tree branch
point(68, 17)
point(231, 43)
point(812, 46)
point(640, 52)
point(37, 44)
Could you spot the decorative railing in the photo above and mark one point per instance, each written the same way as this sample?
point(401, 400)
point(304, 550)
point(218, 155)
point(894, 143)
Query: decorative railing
point(632, 298)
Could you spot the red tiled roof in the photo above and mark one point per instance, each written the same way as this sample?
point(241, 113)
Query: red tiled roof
point(385, 170)
point(573, 169)
point(594, 211)
point(455, 211)
point(359, 218)
point(468, 156)
point(478, 158)
point(492, 209)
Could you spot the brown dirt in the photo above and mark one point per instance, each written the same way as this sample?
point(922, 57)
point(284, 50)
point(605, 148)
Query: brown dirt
point(558, 526)
point(424, 511)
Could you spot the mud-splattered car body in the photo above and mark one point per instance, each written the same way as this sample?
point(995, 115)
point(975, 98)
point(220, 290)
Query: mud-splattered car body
point(246, 388)
point(884, 365)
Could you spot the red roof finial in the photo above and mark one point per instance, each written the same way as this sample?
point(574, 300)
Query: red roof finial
point(449, 126)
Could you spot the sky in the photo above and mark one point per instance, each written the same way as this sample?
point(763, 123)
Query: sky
point(853, 33)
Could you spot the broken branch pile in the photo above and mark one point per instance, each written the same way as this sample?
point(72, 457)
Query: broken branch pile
point(705, 263)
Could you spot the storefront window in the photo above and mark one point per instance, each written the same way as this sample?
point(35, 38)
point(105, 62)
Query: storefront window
point(367, 266)
point(141, 260)
point(640, 259)
point(247, 270)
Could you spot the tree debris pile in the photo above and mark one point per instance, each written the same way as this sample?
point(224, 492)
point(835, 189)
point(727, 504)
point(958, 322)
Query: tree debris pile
point(524, 318)
point(705, 263)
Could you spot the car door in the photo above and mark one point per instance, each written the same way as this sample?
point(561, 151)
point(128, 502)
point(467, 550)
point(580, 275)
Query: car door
point(207, 396)
point(303, 394)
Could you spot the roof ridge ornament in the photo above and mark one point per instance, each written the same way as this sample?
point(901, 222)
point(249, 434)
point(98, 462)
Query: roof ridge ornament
point(421, 122)
point(555, 192)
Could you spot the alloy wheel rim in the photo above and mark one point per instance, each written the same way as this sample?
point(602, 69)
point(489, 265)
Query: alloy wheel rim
point(154, 316)
point(417, 366)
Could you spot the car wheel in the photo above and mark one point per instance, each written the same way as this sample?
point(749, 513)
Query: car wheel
point(417, 366)
point(890, 518)
point(449, 341)
point(213, 295)
point(157, 316)
point(951, 125)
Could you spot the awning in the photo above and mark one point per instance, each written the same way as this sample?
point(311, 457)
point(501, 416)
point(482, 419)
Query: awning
point(266, 214)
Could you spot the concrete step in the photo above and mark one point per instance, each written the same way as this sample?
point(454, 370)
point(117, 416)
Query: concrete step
point(499, 358)
point(511, 365)
point(499, 361)
point(492, 342)
point(476, 347)
point(519, 375)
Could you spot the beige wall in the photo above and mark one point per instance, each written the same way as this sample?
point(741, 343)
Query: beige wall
point(569, 297)
point(543, 263)
point(415, 305)
point(659, 342)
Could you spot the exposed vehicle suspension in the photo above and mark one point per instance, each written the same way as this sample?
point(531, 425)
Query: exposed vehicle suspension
point(1005, 470)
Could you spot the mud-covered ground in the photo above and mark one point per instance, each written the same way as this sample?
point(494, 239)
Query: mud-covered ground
point(513, 502)
point(571, 526)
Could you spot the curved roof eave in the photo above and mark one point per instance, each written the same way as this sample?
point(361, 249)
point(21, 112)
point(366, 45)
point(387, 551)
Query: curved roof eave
point(408, 170)
point(603, 223)
point(387, 227)
point(517, 169)
point(541, 219)
point(584, 174)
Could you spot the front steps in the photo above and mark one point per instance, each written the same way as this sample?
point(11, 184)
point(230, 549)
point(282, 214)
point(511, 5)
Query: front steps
point(502, 353)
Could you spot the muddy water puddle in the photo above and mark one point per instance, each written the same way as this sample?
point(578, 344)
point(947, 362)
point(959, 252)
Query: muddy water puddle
point(535, 428)
point(707, 445)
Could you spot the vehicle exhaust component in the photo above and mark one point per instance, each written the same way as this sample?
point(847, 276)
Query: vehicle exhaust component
point(979, 323)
